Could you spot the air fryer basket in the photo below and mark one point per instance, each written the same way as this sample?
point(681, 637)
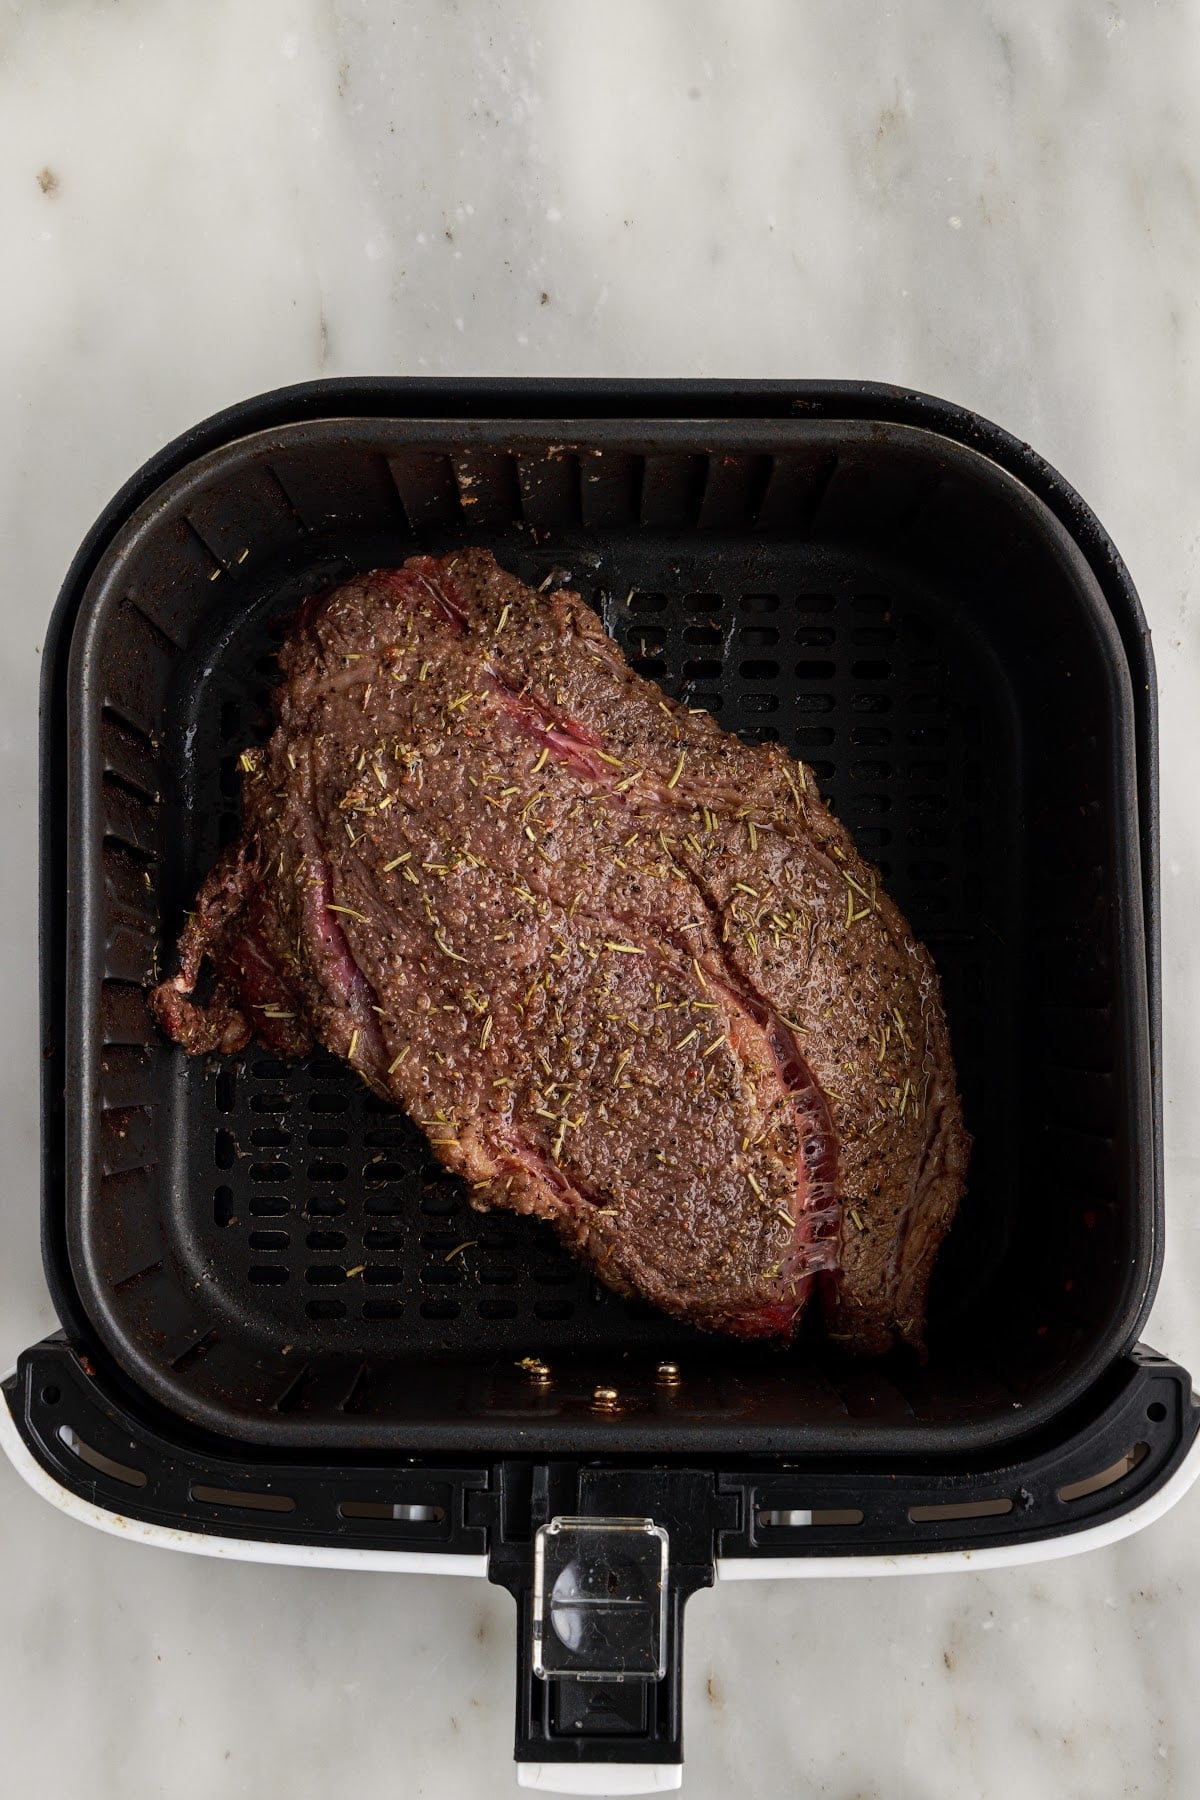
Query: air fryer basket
point(266, 1336)
point(266, 1249)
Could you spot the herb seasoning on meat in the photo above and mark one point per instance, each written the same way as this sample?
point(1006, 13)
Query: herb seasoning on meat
point(627, 972)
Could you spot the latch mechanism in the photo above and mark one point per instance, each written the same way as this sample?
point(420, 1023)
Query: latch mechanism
point(601, 1561)
point(600, 1600)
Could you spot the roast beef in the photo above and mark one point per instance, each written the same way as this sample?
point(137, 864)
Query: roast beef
point(626, 971)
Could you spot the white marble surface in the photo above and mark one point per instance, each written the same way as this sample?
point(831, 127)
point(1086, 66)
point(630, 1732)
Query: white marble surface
point(999, 203)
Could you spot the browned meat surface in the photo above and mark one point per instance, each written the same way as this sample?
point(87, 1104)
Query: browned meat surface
point(627, 972)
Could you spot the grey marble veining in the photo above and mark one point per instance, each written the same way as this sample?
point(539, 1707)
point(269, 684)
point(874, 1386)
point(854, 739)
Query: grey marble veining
point(998, 203)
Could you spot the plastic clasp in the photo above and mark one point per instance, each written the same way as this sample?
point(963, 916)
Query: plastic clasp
point(600, 1600)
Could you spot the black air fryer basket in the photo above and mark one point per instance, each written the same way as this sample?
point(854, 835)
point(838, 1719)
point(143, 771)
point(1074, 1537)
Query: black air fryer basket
point(265, 1337)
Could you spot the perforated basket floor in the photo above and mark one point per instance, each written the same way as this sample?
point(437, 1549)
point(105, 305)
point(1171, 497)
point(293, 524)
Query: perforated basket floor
point(271, 1250)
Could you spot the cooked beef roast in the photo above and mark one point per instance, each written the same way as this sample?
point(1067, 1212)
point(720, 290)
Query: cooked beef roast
point(626, 971)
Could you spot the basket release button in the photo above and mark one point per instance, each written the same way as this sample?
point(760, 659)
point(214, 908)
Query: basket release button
point(600, 1600)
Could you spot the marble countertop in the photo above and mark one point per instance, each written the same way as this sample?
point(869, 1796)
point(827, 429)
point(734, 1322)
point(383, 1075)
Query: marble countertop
point(998, 204)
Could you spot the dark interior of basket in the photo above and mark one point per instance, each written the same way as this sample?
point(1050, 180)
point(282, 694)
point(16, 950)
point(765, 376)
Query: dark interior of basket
point(272, 1251)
